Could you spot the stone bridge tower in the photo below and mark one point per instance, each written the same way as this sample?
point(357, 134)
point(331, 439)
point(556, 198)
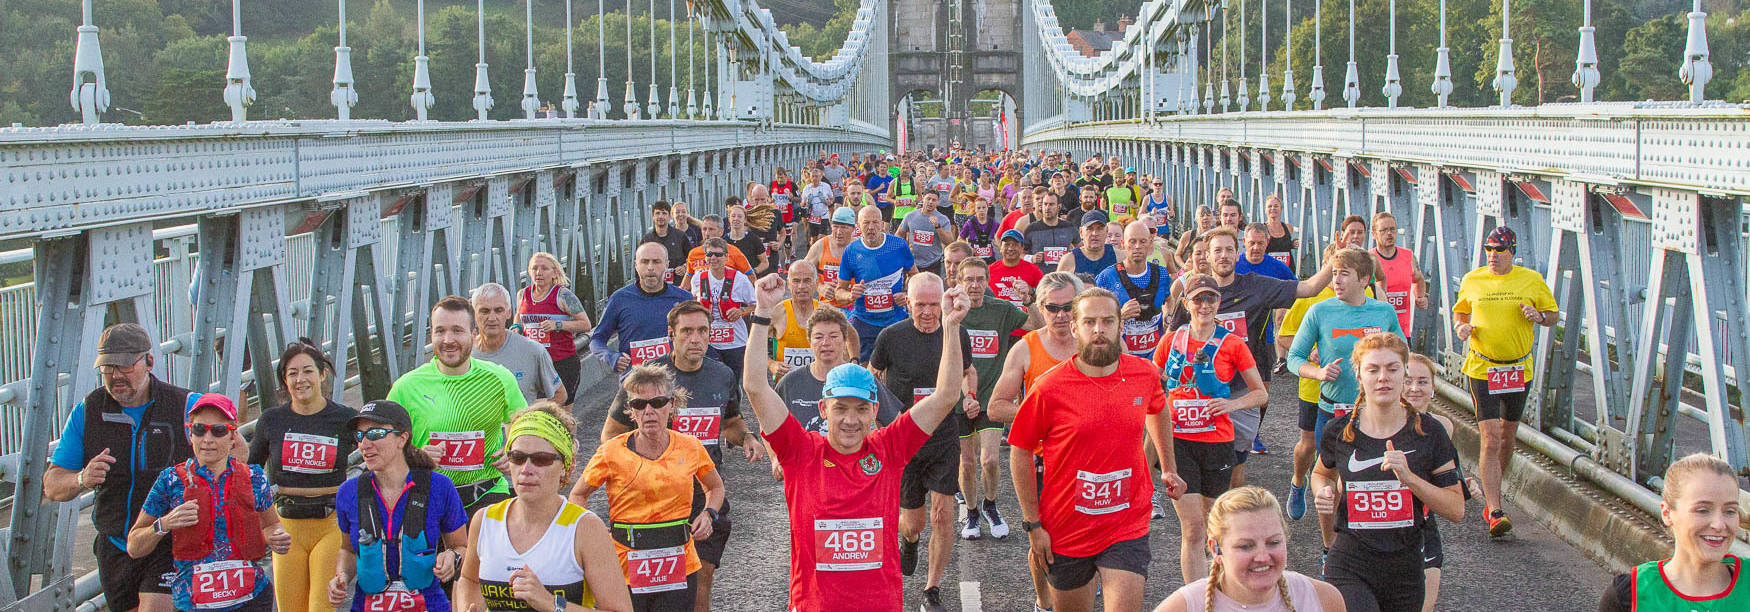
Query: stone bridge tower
point(955, 48)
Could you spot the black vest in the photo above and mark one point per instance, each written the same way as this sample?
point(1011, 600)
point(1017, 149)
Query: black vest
point(160, 442)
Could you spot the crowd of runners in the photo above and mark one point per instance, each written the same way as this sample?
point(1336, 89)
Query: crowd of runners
point(880, 328)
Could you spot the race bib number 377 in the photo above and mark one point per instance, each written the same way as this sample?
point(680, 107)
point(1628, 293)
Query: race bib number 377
point(463, 450)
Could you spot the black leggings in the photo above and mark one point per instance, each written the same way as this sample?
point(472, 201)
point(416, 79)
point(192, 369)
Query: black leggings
point(678, 600)
point(569, 370)
point(1373, 581)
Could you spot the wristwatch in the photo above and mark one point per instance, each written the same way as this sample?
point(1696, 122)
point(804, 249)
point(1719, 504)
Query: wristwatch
point(759, 320)
point(713, 513)
point(158, 527)
point(1029, 526)
point(558, 602)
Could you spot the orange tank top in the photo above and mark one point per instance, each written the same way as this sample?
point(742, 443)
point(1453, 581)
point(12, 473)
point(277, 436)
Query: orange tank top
point(1038, 358)
point(829, 274)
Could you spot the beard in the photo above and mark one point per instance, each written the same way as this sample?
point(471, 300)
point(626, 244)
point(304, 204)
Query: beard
point(1100, 353)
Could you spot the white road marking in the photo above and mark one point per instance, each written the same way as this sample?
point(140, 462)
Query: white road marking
point(971, 600)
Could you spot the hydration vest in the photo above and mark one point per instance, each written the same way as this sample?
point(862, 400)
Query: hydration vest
point(1144, 295)
point(158, 442)
point(418, 555)
point(242, 523)
point(1198, 367)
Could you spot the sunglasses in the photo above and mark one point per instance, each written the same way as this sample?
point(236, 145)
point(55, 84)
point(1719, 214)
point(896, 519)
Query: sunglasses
point(655, 402)
point(218, 431)
point(1498, 249)
point(1206, 298)
point(715, 253)
point(1059, 308)
point(373, 434)
point(540, 459)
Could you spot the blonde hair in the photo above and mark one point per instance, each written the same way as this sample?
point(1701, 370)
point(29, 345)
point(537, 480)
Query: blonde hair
point(649, 374)
point(1426, 363)
point(1377, 341)
point(1687, 468)
point(563, 281)
point(1243, 500)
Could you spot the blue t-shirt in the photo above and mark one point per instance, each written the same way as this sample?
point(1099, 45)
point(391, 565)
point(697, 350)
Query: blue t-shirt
point(876, 184)
point(1270, 267)
point(882, 272)
point(443, 514)
point(637, 317)
point(166, 495)
point(1139, 336)
point(1334, 327)
point(70, 449)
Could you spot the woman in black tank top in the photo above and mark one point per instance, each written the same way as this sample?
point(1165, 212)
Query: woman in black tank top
point(1281, 234)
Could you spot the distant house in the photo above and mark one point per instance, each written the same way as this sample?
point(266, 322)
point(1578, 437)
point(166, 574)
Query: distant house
point(1096, 40)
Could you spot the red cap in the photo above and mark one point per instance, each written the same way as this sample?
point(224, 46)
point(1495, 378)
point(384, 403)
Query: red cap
point(217, 401)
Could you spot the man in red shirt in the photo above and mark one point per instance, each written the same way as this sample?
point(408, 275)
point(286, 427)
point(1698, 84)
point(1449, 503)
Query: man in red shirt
point(1013, 277)
point(1088, 417)
point(843, 488)
point(1017, 219)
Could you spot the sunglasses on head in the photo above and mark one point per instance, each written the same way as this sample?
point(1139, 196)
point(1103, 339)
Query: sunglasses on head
point(655, 402)
point(542, 459)
point(1497, 249)
point(1058, 308)
point(217, 431)
point(373, 434)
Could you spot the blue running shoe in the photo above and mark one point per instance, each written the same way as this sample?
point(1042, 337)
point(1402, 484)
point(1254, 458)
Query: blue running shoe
point(1258, 447)
point(1296, 502)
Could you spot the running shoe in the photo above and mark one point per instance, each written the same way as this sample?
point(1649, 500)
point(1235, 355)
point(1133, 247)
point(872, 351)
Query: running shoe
point(1160, 509)
point(1499, 524)
point(1296, 502)
point(960, 498)
point(1282, 367)
point(969, 526)
point(932, 600)
point(998, 528)
point(908, 556)
point(1258, 447)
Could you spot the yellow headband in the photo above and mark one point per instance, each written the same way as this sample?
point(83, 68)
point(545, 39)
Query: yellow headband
point(546, 427)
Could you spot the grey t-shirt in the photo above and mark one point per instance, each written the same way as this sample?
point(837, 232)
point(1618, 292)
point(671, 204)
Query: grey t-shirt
point(919, 230)
point(834, 176)
point(530, 363)
point(801, 393)
point(943, 186)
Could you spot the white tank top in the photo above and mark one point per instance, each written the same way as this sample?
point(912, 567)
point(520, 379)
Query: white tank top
point(553, 558)
point(1300, 590)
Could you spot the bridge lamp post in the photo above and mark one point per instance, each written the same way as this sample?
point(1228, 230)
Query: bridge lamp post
point(344, 95)
point(569, 102)
point(238, 93)
point(1245, 86)
point(531, 97)
point(1226, 100)
point(692, 25)
point(1696, 70)
point(1505, 81)
point(421, 99)
point(482, 86)
point(1316, 91)
point(1263, 55)
point(601, 58)
point(1288, 96)
point(1586, 75)
point(1442, 86)
point(90, 95)
point(1351, 75)
point(1393, 87)
point(654, 109)
point(631, 105)
point(674, 107)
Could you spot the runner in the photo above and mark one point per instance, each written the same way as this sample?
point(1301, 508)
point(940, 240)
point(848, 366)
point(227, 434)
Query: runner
point(1257, 259)
point(551, 315)
point(1145, 288)
point(880, 186)
point(903, 361)
point(1499, 306)
point(459, 405)
point(1202, 364)
point(1013, 277)
point(980, 231)
point(791, 346)
point(687, 225)
point(926, 232)
point(1205, 221)
point(712, 415)
point(673, 241)
point(726, 294)
point(528, 361)
point(1018, 218)
point(872, 277)
point(1228, 212)
point(746, 240)
point(843, 488)
point(1249, 541)
point(1048, 236)
point(1419, 395)
point(1088, 418)
point(833, 341)
point(1092, 256)
point(955, 253)
point(218, 513)
point(1283, 244)
point(825, 254)
point(1332, 327)
point(1122, 197)
point(649, 476)
point(399, 551)
point(711, 226)
point(635, 314)
point(1311, 420)
point(991, 325)
point(297, 445)
point(817, 198)
point(1702, 508)
point(1376, 560)
point(564, 558)
point(116, 441)
point(785, 197)
point(1088, 199)
point(1397, 267)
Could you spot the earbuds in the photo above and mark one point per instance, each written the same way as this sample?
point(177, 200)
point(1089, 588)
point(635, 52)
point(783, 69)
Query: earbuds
point(1217, 548)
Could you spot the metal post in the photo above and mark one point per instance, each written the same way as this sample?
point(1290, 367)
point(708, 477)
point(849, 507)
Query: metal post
point(1245, 86)
point(692, 92)
point(421, 99)
point(1288, 96)
point(1316, 92)
point(1696, 70)
point(601, 58)
point(90, 95)
point(1505, 81)
point(631, 105)
point(1442, 86)
point(344, 95)
point(1586, 75)
point(531, 97)
point(569, 103)
point(654, 108)
point(1264, 55)
point(674, 98)
point(482, 86)
point(238, 92)
point(1351, 75)
point(1392, 87)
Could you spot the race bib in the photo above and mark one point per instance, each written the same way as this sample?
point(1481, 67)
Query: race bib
point(1281, 256)
point(984, 343)
point(847, 545)
point(396, 598)
point(923, 237)
point(657, 570)
point(1191, 416)
point(308, 454)
point(1102, 493)
point(1398, 300)
point(829, 273)
point(982, 251)
point(1053, 254)
point(919, 393)
point(222, 584)
point(532, 329)
point(648, 350)
point(706, 423)
point(1341, 410)
point(1141, 337)
point(1234, 322)
point(722, 332)
point(1379, 504)
point(1120, 209)
point(878, 302)
point(1506, 379)
point(463, 450)
point(798, 357)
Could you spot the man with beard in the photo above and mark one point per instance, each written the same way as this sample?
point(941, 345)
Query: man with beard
point(116, 441)
point(712, 414)
point(1048, 236)
point(1088, 419)
point(1246, 303)
point(459, 406)
point(526, 359)
point(635, 313)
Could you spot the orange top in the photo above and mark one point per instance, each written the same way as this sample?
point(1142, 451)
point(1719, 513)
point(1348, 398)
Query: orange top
point(1038, 359)
point(829, 274)
point(642, 490)
point(696, 260)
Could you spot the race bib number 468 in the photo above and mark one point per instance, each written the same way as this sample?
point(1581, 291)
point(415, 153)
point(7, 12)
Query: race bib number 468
point(847, 545)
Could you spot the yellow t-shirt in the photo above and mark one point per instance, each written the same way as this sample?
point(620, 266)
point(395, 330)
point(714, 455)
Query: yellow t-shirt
point(793, 347)
point(644, 490)
point(1500, 334)
point(1309, 387)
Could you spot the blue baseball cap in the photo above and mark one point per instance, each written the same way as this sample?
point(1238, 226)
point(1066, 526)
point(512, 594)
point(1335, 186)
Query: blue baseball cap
point(1093, 217)
point(844, 215)
point(850, 380)
point(1013, 234)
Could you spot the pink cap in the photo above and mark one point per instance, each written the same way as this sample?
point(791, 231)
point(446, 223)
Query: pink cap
point(217, 401)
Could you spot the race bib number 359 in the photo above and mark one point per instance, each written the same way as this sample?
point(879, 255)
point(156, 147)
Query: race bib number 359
point(1379, 504)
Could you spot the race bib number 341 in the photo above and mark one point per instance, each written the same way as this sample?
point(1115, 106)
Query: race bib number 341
point(1102, 493)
